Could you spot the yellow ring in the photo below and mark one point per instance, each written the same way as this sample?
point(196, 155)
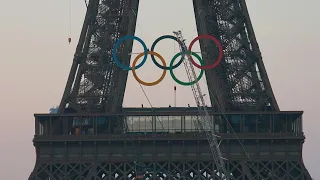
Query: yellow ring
point(148, 83)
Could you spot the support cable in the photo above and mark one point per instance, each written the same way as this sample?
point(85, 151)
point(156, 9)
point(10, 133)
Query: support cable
point(69, 38)
point(137, 163)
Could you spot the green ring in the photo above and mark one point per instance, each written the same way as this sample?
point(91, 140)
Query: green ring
point(177, 80)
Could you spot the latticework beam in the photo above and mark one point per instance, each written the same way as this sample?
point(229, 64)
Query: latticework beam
point(95, 83)
point(268, 170)
point(240, 82)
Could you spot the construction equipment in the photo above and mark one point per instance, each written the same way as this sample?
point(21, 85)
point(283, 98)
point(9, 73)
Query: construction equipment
point(204, 121)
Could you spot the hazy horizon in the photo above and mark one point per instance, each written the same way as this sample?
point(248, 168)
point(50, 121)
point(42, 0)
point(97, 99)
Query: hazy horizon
point(36, 60)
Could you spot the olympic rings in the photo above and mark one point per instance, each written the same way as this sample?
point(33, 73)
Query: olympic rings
point(186, 83)
point(155, 43)
point(117, 44)
point(146, 83)
point(219, 47)
point(164, 67)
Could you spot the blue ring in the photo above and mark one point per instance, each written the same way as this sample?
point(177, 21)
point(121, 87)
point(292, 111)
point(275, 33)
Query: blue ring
point(117, 44)
point(154, 45)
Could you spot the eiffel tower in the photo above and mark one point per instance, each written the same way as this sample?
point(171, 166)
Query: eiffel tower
point(89, 138)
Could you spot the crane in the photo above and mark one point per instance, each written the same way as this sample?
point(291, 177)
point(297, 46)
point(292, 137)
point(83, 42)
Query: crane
point(203, 119)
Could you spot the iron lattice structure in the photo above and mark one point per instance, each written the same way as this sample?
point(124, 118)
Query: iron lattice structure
point(196, 170)
point(96, 86)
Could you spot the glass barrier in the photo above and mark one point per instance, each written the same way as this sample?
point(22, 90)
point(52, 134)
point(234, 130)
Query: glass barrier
point(96, 125)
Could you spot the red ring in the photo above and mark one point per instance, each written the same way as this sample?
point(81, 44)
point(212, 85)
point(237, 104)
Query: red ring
point(216, 63)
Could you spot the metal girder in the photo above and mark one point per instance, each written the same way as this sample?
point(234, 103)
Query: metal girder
point(95, 83)
point(243, 170)
point(240, 82)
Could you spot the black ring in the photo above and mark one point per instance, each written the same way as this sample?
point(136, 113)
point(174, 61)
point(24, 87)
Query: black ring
point(155, 43)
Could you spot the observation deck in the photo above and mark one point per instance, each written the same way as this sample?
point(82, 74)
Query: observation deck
point(166, 133)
